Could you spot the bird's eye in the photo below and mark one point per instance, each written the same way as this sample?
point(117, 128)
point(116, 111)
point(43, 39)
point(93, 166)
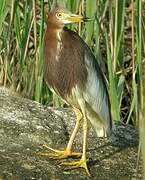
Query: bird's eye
point(59, 15)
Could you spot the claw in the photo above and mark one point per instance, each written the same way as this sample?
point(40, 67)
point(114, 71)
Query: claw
point(82, 163)
point(58, 154)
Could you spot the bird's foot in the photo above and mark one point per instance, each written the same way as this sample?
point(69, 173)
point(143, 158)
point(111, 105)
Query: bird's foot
point(82, 163)
point(58, 154)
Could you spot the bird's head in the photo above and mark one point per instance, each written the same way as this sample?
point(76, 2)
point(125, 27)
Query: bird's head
point(61, 16)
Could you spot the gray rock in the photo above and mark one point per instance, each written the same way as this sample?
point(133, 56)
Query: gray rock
point(25, 125)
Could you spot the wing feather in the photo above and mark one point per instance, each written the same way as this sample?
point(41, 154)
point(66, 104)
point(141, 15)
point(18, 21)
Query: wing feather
point(96, 95)
point(94, 92)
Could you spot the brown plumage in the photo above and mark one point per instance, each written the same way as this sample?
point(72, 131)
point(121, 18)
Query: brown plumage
point(72, 72)
point(63, 74)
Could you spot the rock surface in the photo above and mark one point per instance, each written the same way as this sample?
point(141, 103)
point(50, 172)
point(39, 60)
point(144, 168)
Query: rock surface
point(25, 125)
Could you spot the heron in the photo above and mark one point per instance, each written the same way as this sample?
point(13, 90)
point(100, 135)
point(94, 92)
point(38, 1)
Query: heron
point(71, 71)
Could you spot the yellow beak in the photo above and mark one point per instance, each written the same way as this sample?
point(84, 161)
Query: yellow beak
point(73, 18)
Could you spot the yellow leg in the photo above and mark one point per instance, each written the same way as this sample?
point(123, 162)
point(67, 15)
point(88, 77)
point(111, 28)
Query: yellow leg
point(61, 154)
point(82, 163)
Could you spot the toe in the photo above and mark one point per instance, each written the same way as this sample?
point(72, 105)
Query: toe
point(77, 164)
point(58, 154)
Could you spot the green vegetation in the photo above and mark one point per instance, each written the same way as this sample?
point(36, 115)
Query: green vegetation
point(116, 36)
point(142, 118)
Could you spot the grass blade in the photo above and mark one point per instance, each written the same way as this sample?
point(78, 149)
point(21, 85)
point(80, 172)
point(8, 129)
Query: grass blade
point(113, 89)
